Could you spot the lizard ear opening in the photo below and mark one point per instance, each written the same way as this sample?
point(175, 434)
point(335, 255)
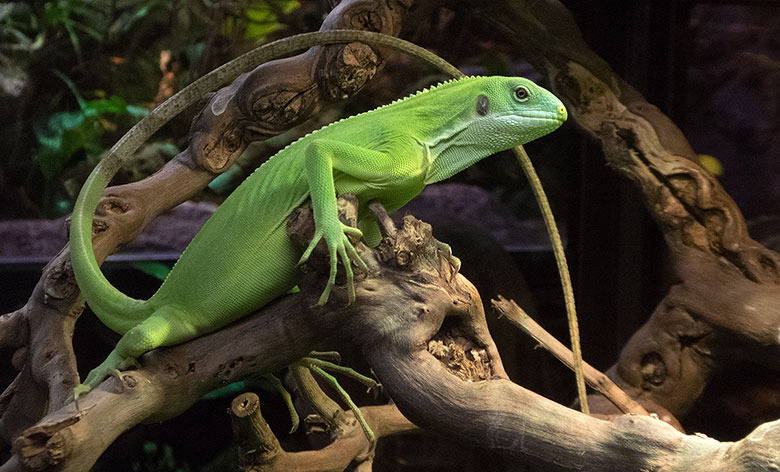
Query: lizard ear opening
point(483, 105)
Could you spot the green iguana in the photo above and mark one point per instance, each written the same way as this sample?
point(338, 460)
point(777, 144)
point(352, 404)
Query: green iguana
point(242, 258)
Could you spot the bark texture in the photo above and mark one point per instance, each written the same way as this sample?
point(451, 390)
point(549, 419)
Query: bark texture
point(410, 303)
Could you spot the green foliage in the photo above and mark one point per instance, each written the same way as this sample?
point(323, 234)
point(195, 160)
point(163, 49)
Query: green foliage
point(65, 14)
point(64, 133)
point(261, 18)
point(264, 17)
point(19, 29)
point(61, 51)
point(76, 74)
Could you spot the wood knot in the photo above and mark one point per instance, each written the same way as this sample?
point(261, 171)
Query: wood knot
point(99, 225)
point(245, 405)
point(368, 20)
point(59, 282)
point(276, 112)
point(653, 370)
point(231, 140)
point(344, 71)
point(460, 354)
point(403, 257)
point(217, 153)
point(171, 371)
point(109, 205)
point(129, 381)
point(413, 242)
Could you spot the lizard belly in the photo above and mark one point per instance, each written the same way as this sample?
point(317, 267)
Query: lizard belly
point(234, 284)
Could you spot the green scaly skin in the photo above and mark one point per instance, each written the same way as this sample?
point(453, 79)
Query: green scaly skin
point(242, 258)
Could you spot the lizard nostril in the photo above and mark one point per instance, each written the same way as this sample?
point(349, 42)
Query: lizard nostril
point(561, 109)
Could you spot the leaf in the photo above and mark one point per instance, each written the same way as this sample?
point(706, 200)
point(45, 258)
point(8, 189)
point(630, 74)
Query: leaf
point(136, 112)
point(263, 17)
point(65, 120)
point(71, 86)
point(65, 133)
point(113, 104)
point(50, 133)
point(127, 20)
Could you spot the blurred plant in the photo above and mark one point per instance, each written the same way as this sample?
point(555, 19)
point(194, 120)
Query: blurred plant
point(261, 17)
point(64, 133)
point(76, 74)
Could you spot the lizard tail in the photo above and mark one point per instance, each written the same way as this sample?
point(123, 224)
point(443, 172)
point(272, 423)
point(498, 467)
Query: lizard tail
point(115, 309)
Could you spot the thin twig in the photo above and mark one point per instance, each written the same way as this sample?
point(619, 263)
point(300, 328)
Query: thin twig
point(596, 379)
point(563, 271)
point(260, 450)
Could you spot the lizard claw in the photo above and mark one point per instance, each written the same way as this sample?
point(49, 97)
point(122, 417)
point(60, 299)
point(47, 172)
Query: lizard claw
point(339, 247)
point(310, 248)
point(78, 391)
point(111, 367)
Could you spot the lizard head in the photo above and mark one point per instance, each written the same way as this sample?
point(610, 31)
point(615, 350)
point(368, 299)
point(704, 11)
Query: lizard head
point(512, 111)
point(491, 114)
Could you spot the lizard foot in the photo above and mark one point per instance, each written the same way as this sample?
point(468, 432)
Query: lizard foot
point(111, 367)
point(318, 359)
point(339, 247)
point(319, 367)
point(277, 384)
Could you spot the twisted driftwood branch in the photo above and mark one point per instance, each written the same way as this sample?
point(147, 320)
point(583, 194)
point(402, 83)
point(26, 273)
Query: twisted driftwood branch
point(423, 330)
point(722, 308)
point(260, 451)
point(266, 101)
point(172, 379)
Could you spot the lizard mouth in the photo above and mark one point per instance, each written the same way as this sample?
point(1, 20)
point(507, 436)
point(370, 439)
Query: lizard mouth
point(536, 116)
point(533, 122)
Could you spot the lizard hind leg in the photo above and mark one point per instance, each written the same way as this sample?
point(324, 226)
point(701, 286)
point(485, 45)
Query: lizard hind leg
point(163, 327)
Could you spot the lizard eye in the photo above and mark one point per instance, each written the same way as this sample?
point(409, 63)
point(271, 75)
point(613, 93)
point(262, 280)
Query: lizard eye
point(521, 93)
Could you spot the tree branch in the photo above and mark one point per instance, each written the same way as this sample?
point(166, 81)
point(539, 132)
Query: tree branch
point(598, 381)
point(266, 101)
point(409, 305)
point(261, 450)
point(419, 323)
point(699, 325)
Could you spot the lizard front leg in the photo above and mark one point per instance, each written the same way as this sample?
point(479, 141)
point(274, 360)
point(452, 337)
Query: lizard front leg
point(361, 166)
